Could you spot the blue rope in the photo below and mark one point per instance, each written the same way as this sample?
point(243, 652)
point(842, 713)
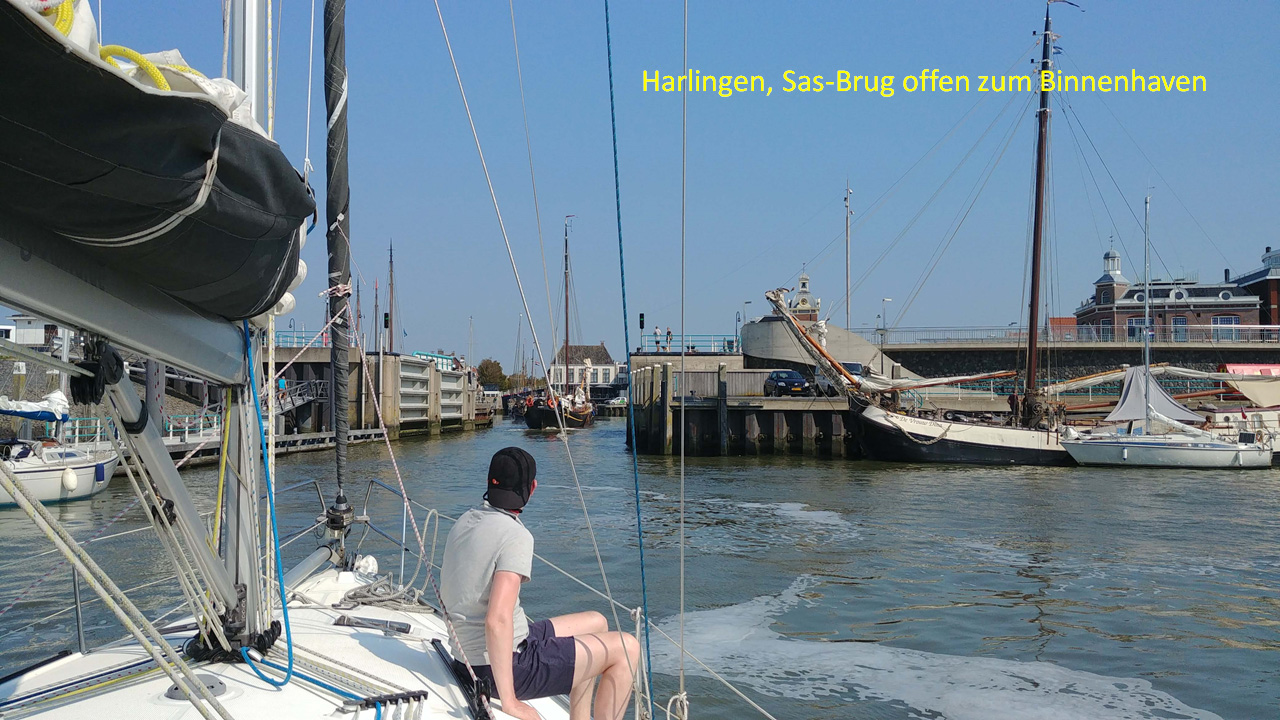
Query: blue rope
point(275, 535)
point(626, 332)
point(377, 707)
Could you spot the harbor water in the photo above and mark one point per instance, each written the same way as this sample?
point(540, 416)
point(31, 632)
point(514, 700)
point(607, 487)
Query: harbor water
point(822, 588)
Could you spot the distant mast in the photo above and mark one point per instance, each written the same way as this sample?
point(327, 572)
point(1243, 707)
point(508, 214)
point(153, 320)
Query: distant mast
point(1037, 233)
point(391, 296)
point(566, 304)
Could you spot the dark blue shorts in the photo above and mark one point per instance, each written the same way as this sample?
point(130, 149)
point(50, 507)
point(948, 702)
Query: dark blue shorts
point(542, 667)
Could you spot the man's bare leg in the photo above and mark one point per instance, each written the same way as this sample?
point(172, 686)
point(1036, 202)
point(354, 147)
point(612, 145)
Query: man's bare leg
point(613, 657)
point(582, 623)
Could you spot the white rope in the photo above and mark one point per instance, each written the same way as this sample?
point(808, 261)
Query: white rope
point(564, 435)
point(148, 637)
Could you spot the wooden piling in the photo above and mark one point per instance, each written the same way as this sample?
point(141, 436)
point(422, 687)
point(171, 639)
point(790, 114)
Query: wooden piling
point(668, 387)
point(722, 407)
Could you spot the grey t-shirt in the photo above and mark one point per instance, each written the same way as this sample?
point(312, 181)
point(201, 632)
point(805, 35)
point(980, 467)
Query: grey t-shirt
point(483, 541)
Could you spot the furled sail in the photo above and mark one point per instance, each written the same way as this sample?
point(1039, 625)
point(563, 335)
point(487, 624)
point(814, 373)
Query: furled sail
point(152, 170)
point(53, 408)
point(1131, 405)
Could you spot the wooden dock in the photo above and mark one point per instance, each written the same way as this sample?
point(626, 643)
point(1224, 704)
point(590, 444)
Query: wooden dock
point(717, 423)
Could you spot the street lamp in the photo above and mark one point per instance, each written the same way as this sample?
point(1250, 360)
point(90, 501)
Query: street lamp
point(884, 327)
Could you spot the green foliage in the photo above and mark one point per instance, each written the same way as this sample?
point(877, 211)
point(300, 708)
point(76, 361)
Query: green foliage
point(491, 374)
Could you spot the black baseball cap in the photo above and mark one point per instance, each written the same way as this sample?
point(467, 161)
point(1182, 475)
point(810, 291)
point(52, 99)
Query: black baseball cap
point(511, 475)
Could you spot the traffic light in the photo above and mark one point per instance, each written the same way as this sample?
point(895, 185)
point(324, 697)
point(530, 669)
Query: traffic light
point(642, 321)
point(386, 320)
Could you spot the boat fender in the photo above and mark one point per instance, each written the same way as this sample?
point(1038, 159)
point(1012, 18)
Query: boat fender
point(1070, 434)
point(366, 564)
point(70, 481)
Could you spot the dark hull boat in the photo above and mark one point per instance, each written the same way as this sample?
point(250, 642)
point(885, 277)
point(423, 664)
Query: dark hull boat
point(896, 437)
point(541, 417)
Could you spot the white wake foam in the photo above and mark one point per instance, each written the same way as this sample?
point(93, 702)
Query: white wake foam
point(739, 642)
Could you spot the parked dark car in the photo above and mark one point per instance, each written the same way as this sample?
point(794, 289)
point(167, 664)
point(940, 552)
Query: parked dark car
point(823, 385)
point(786, 382)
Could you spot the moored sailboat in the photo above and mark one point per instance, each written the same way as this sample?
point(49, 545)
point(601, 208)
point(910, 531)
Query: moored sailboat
point(1031, 433)
point(1146, 407)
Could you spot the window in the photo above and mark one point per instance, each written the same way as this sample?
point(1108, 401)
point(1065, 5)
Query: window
point(595, 376)
point(1226, 295)
point(1224, 329)
point(1104, 297)
point(1180, 329)
point(1140, 297)
point(1133, 328)
point(604, 375)
point(1106, 331)
point(570, 376)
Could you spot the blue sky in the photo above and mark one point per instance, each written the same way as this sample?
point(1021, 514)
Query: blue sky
point(766, 175)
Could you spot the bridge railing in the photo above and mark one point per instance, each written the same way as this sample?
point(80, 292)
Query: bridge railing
point(1122, 335)
point(691, 343)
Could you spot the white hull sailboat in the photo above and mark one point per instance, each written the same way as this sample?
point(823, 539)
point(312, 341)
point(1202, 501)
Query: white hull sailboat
point(1172, 450)
point(1142, 400)
point(54, 472)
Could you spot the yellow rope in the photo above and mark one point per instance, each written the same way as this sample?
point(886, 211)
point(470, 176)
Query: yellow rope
point(222, 465)
point(66, 13)
point(185, 69)
point(111, 52)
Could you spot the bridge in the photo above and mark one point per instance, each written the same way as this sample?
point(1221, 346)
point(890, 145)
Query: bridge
point(1070, 351)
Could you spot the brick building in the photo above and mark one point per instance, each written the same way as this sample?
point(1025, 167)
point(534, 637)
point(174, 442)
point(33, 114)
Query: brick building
point(1182, 309)
point(1265, 283)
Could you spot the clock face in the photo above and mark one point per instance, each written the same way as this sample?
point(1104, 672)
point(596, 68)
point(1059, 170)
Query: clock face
point(804, 302)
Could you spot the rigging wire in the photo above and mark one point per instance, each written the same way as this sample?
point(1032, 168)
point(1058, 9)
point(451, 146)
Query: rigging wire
point(311, 66)
point(1071, 110)
point(533, 183)
point(1115, 228)
point(626, 334)
point(564, 435)
point(929, 202)
point(681, 700)
point(1152, 164)
point(975, 192)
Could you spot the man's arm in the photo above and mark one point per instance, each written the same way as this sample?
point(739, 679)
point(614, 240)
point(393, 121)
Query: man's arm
point(499, 633)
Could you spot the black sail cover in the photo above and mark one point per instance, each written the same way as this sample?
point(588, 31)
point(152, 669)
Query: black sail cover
point(162, 186)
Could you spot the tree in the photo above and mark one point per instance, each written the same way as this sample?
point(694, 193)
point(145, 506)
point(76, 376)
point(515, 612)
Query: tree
point(491, 373)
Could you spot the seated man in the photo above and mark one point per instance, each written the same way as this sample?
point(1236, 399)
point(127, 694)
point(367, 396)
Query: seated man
point(487, 555)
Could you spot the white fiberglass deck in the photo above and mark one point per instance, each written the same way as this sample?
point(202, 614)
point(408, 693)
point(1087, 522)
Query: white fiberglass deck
point(360, 660)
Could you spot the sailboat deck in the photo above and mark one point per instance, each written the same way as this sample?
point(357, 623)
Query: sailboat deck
point(356, 659)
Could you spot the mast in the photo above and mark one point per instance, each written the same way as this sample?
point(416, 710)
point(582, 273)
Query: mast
point(1146, 312)
point(846, 255)
point(338, 216)
point(377, 317)
point(1037, 233)
point(566, 304)
point(391, 296)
